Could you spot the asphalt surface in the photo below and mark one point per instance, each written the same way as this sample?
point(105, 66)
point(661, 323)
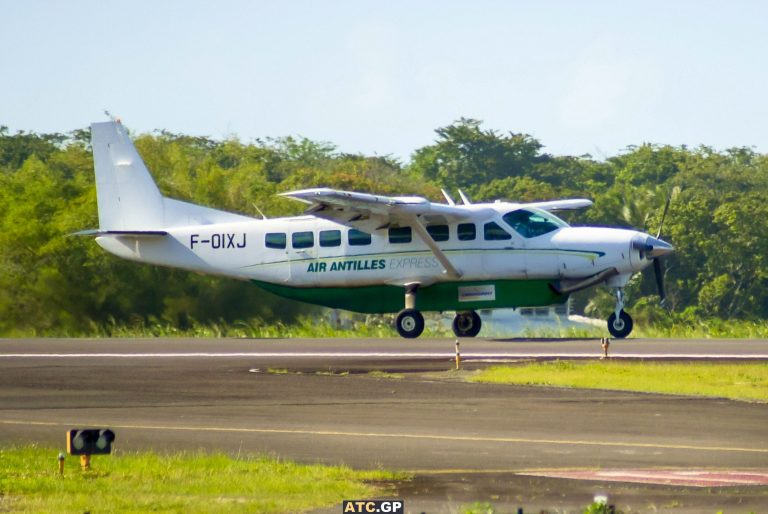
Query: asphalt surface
point(316, 401)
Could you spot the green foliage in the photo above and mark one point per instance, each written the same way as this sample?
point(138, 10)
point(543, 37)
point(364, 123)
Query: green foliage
point(466, 155)
point(53, 284)
point(600, 508)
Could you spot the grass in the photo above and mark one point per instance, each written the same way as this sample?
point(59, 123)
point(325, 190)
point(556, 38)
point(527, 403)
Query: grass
point(182, 482)
point(277, 371)
point(360, 326)
point(704, 329)
point(736, 381)
point(386, 374)
point(381, 326)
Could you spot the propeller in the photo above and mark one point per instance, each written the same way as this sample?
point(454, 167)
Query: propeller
point(655, 248)
point(664, 215)
point(658, 270)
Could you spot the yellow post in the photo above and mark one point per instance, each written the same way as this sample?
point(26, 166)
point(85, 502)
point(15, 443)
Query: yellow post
point(605, 342)
point(85, 462)
point(458, 356)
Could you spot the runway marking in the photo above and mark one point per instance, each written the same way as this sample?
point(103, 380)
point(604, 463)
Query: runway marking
point(691, 478)
point(432, 437)
point(395, 355)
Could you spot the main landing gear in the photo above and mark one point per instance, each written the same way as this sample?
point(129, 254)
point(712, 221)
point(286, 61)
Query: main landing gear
point(619, 322)
point(466, 324)
point(410, 322)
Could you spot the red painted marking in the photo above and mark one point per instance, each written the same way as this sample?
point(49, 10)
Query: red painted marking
point(693, 478)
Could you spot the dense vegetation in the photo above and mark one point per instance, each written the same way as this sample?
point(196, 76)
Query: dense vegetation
point(54, 284)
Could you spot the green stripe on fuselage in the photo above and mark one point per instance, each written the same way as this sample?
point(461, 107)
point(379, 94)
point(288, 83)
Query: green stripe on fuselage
point(443, 296)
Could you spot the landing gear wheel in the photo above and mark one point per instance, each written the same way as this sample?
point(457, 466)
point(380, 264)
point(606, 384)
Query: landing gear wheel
point(466, 324)
point(409, 323)
point(620, 327)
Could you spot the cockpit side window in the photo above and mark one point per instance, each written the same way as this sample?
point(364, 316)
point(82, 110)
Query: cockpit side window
point(533, 223)
point(493, 232)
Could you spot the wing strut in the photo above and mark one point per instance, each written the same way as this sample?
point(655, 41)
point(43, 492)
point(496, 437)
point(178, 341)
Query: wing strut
point(450, 270)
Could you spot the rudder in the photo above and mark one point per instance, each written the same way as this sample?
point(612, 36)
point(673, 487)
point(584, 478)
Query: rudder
point(128, 198)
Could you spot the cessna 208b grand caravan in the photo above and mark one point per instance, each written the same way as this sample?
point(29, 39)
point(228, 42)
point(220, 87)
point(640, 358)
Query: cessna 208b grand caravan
point(370, 253)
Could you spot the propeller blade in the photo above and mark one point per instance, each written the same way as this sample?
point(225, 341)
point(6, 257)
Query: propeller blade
point(659, 279)
point(664, 215)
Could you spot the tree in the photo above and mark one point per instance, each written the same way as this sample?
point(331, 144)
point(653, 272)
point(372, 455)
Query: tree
point(466, 156)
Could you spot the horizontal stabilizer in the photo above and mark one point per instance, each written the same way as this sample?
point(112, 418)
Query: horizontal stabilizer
point(118, 233)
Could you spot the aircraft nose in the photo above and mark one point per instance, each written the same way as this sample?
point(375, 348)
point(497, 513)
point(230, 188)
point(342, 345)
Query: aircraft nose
point(652, 247)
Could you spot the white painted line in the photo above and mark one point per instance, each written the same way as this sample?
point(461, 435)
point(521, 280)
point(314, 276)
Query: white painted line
point(394, 355)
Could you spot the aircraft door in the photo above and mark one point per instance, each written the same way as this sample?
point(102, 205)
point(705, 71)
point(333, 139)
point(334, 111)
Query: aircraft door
point(276, 256)
point(302, 255)
point(504, 253)
point(535, 228)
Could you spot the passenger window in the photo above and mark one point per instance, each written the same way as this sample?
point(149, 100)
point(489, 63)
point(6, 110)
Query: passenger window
point(275, 240)
point(303, 240)
point(400, 235)
point(330, 238)
point(493, 232)
point(467, 232)
point(358, 237)
point(438, 232)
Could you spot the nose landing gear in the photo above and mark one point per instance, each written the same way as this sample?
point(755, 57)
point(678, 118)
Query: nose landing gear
point(619, 322)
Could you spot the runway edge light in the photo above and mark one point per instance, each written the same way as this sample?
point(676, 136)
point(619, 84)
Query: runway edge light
point(89, 441)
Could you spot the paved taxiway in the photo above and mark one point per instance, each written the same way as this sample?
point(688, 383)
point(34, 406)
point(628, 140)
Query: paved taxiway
point(224, 394)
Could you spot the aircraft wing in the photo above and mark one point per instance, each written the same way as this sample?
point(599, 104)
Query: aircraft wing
point(372, 212)
point(561, 205)
point(348, 208)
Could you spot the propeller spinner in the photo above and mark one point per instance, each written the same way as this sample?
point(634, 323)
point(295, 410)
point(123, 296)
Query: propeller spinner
point(654, 248)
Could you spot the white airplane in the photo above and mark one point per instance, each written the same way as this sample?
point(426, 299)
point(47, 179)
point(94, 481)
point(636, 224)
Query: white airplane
point(370, 253)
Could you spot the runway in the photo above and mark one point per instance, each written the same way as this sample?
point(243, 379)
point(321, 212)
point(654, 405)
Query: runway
point(316, 401)
point(371, 351)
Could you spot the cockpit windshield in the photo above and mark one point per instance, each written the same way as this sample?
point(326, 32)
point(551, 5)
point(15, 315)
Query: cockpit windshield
point(532, 222)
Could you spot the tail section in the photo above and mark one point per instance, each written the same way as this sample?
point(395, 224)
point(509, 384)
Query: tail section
point(128, 197)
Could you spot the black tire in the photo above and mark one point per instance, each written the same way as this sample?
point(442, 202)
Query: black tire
point(467, 324)
point(621, 327)
point(409, 323)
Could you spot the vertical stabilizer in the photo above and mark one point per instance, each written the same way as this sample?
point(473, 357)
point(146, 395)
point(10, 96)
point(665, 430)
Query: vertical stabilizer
point(127, 196)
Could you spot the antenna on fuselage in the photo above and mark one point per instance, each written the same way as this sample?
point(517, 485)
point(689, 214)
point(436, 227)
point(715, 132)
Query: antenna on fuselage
point(109, 115)
point(263, 216)
point(447, 197)
point(464, 198)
